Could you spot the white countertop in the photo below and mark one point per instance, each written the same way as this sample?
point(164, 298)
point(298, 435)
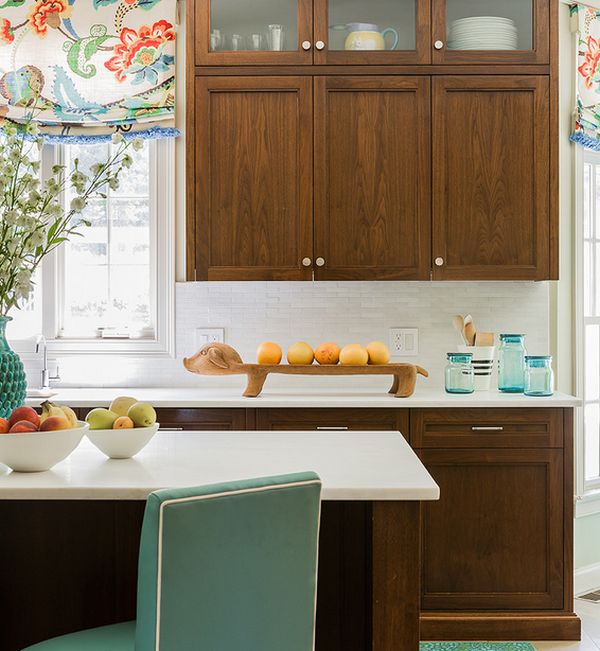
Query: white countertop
point(191, 397)
point(352, 466)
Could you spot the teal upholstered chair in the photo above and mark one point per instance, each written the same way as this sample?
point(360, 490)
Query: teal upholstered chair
point(229, 567)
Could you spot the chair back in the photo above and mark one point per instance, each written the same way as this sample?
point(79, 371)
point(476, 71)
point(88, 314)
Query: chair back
point(230, 567)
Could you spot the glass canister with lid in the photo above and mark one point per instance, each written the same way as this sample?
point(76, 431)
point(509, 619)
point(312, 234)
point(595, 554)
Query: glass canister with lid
point(459, 375)
point(539, 376)
point(511, 363)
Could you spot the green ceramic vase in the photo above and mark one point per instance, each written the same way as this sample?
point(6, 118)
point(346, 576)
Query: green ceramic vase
point(13, 382)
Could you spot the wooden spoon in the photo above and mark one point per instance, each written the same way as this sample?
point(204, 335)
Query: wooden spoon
point(469, 332)
point(459, 323)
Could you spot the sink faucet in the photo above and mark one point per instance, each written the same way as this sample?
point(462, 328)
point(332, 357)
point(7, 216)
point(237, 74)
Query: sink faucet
point(45, 376)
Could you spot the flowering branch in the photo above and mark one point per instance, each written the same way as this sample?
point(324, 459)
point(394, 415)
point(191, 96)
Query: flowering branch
point(33, 220)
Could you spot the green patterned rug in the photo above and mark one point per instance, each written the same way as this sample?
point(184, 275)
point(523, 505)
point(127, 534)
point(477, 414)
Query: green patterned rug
point(476, 646)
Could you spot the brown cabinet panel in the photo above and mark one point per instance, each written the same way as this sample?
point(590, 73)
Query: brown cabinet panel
point(206, 419)
point(486, 428)
point(335, 418)
point(253, 178)
point(372, 178)
point(494, 541)
point(491, 175)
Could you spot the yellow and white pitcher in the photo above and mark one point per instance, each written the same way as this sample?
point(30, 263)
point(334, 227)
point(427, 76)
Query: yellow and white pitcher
point(366, 36)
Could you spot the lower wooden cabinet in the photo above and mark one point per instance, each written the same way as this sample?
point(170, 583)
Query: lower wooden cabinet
point(202, 419)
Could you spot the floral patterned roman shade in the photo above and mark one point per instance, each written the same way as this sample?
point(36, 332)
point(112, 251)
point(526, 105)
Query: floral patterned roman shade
point(587, 111)
point(88, 68)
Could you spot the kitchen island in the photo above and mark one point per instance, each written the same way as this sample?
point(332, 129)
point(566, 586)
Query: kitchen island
point(68, 551)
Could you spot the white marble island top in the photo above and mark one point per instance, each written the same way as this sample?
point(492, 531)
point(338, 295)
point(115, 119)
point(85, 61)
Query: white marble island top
point(201, 397)
point(352, 466)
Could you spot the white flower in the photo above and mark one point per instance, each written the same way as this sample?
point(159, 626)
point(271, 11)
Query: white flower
point(96, 168)
point(127, 161)
point(37, 238)
point(138, 144)
point(77, 204)
point(113, 183)
point(117, 138)
point(11, 217)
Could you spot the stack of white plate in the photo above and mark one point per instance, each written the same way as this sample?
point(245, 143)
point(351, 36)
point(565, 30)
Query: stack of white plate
point(483, 33)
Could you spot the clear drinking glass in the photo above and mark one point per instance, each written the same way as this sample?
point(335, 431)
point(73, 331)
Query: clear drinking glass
point(459, 375)
point(511, 363)
point(489, 24)
point(254, 18)
point(539, 376)
point(372, 25)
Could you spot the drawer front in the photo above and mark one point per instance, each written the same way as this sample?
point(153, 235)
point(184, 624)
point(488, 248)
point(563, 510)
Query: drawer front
point(333, 419)
point(487, 428)
point(201, 419)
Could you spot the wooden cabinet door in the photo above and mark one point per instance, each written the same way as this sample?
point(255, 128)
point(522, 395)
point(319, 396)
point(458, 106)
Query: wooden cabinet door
point(457, 27)
point(372, 178)
point(253, 178)
point(491, 178)
point(204, 419)
point(494, 541)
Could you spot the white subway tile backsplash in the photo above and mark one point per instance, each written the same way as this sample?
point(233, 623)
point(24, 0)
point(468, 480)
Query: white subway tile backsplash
point(345, 312)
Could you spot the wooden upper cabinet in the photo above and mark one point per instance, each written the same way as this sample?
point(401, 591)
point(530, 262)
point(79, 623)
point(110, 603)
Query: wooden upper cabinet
point(352, 32)
point(238, 32)
point(253, 178)
point(491, 178)
point(372, 178)
point(491, 32)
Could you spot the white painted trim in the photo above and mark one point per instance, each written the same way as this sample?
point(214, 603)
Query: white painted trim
point(198, 498)
point(587, 578)
point(587, 504)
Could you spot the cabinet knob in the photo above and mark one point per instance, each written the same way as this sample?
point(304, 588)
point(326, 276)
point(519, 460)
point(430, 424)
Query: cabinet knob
point(320, 262)
point(320, 45)
point(306, 262)
point(439, 262)
point(438, 45)
point(306, 45)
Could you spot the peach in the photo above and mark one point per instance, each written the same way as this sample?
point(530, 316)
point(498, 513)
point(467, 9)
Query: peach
point(354, 355)
point(23, 427)
point(300, 353)
point(4, 426)
point(55, 422)
point(379, 353)
point(327, 353)
point(269, 353)
point(24, 413)
point(123, 422)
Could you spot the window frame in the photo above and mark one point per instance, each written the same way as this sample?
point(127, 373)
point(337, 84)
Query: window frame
point(162, 203)
point(588, 490)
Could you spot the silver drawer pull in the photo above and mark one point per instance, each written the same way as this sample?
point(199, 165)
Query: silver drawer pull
point(487, 429)
point(171, 429)
point(341, 428)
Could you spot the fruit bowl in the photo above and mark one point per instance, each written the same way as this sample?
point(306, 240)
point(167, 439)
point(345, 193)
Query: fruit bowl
point(122, 443)
point(39, 451)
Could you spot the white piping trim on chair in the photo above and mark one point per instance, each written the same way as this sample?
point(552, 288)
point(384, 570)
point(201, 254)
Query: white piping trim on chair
point(181, 500)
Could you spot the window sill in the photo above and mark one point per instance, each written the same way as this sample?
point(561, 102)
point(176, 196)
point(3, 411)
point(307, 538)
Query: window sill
point(124, 347)
point(588, 504)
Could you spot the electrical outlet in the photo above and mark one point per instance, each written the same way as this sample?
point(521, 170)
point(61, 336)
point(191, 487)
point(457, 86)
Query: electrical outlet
point(209, 335)
point(404, 342)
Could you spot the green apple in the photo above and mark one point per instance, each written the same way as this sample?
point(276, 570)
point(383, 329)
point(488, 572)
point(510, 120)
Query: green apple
point(101, 418)
point(142, 414)
point(120, 405)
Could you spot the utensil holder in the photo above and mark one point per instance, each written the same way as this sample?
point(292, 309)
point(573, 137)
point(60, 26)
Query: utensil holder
point(483, 364)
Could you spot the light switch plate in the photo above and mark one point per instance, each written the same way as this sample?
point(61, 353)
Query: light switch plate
point(209, 335)
point(404, 342)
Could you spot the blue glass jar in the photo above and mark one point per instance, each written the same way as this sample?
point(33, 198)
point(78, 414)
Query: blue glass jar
point(460, 377)
point(539, 376)
point(511, 363)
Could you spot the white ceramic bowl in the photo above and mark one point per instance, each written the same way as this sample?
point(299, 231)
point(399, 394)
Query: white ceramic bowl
point(39, 451)
point(122, 443)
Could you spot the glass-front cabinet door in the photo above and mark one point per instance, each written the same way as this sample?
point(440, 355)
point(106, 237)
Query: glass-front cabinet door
point(372, 32)
point(491, 31)
point(230, 32)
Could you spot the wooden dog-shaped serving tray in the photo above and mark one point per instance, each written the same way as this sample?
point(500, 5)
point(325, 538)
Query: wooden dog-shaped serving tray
point(221, 359)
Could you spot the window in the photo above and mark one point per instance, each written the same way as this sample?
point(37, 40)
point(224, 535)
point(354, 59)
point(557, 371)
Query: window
point(589, 316)
point(112, 288)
